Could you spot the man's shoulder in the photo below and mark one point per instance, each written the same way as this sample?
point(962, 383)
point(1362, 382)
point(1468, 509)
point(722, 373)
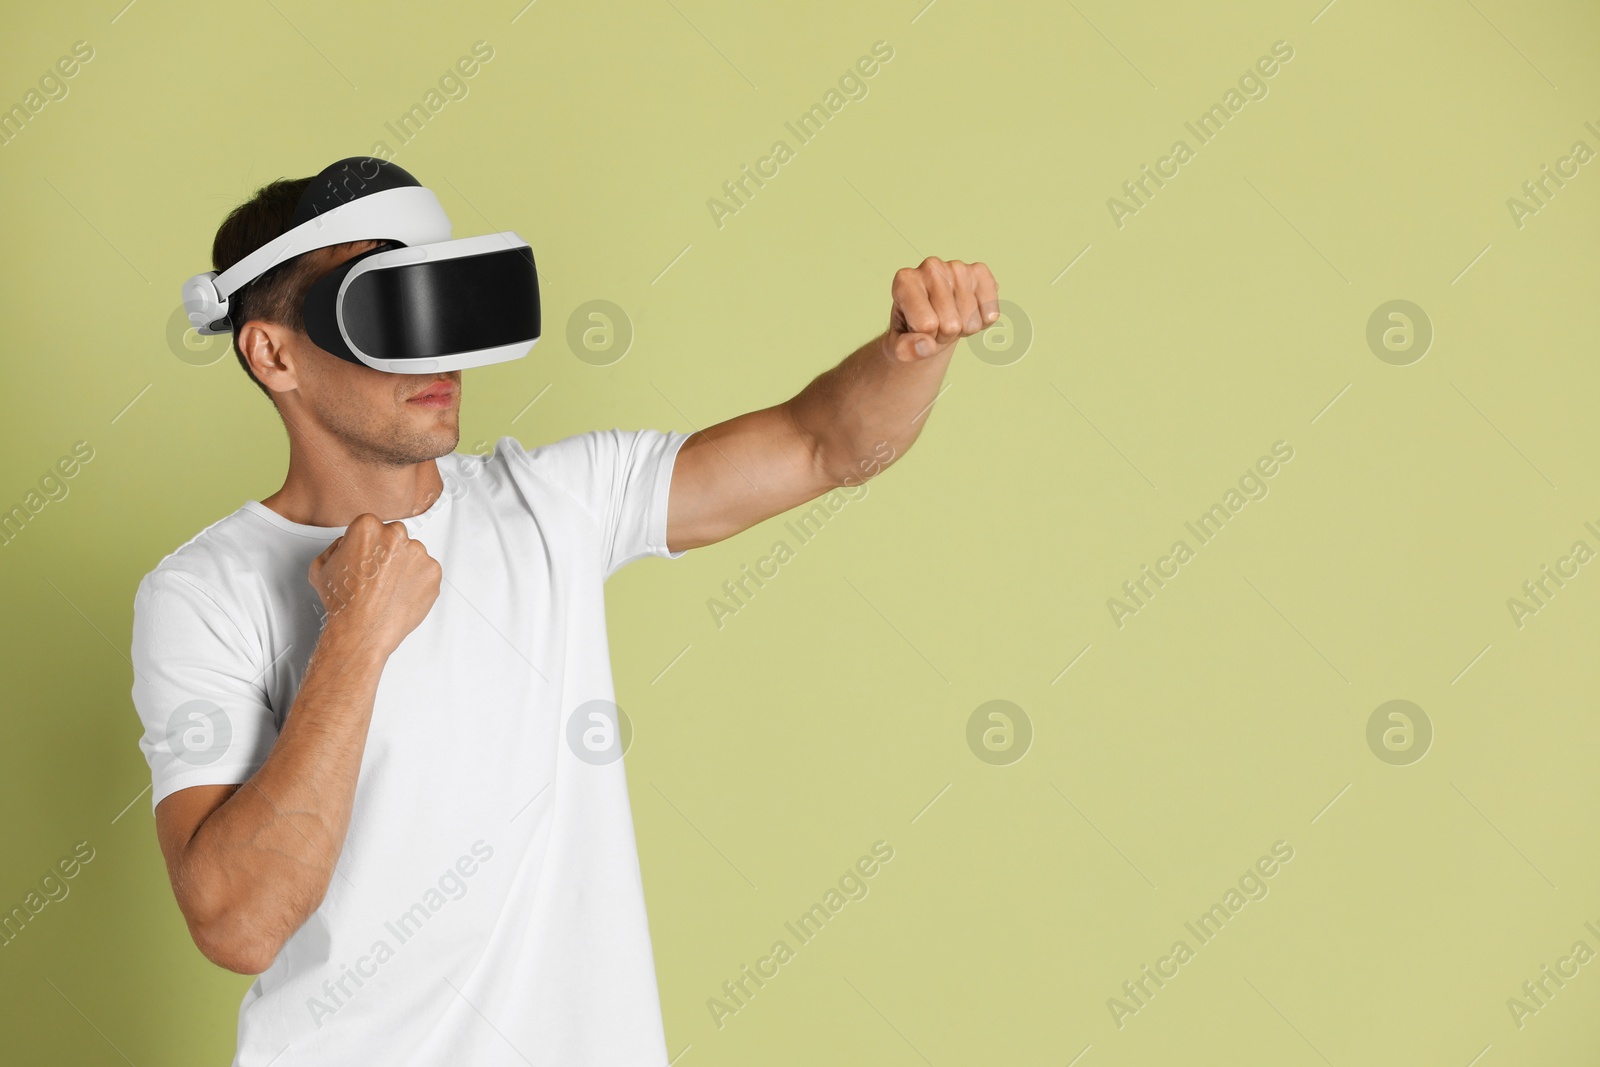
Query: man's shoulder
point(588, 452)
point(565, 462)
point(213, 559)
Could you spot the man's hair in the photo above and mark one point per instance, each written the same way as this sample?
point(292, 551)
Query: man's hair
point(277, 295)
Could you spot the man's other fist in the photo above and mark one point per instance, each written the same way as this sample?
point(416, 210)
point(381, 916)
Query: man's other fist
point(937, 304)
point(377, 583)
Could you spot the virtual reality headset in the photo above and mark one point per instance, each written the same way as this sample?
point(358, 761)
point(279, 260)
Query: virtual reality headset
point(433, 304)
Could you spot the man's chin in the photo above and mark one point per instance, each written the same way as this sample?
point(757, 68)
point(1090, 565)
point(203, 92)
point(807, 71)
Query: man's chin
point(445, 441)
point(430, 438)
point(438, 423)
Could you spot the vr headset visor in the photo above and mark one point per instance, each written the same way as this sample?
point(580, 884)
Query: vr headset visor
point(423, 304)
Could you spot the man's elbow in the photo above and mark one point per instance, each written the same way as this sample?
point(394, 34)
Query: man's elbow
point(860, 465)
point(231, 933)
point(233, 951)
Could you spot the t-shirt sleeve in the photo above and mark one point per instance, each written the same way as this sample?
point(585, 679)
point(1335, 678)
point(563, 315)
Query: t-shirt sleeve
point(622, 479)
point(198, 688)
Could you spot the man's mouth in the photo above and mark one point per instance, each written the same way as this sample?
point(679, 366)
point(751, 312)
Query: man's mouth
point(438, 395)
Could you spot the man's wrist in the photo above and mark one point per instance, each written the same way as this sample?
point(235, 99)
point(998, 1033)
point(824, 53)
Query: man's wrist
point(355, 647)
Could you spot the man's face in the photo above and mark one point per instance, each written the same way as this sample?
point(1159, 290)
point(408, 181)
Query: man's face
point(380, 416)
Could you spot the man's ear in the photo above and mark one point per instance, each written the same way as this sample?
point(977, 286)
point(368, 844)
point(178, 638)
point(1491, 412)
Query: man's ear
point(269, 350)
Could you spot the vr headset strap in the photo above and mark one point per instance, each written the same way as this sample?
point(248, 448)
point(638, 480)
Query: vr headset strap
point(411, 215)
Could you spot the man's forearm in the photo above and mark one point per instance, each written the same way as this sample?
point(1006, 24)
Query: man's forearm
point(868, 399)
point(846, 426)
point(261, 863)
point(881, 394)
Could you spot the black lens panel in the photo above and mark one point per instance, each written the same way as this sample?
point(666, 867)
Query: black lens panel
point(440, 307)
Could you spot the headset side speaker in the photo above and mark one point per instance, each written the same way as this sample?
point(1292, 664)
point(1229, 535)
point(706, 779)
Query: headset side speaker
point(207, 310)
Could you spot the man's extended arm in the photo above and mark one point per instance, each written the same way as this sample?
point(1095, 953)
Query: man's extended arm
point(840, 428)
point(250, 863)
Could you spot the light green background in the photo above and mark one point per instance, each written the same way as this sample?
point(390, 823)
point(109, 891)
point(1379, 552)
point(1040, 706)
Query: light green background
point(826, 715)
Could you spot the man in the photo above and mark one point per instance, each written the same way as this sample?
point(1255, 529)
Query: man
point(378, 704)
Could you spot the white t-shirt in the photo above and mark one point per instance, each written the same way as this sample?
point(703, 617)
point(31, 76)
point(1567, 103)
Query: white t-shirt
point(487, 907)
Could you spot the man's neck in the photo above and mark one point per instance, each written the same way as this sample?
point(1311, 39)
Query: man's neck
point(317, 492)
